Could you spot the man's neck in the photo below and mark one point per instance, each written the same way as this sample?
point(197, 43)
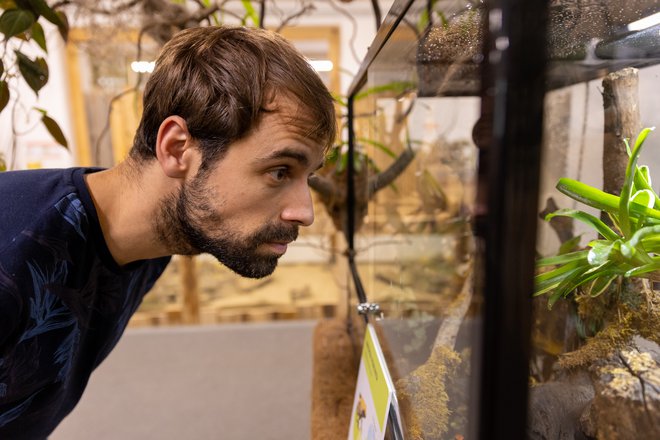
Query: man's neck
point(126, 206)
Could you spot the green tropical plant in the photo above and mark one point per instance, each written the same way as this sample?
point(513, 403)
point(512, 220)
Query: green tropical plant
point(20, 25)
point(630, 248)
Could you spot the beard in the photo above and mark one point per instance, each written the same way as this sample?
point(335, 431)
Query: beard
point(187, 225)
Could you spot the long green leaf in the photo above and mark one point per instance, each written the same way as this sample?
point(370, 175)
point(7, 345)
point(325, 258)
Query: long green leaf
point(629, 248)
point(644, 197)
point(15, 21)
point(378, 145)
point(339, 99)
point(600, 284)
point(570, 244)
point(561, 290)
point(396, 86)
point(602, 251)
point(551, 279)
point(588, 219)
point(626, 189)
point(601, 200)
point(562, 259)
point(572, 283)
point(651, 244)
point(643, 181)
point(641, 270)
point(251, 12)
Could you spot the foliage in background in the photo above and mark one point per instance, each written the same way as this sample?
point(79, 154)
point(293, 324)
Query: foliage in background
point(630, 248)
point(20, 25)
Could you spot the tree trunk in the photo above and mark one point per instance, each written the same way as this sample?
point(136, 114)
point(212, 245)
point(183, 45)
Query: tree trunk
point(622, 121)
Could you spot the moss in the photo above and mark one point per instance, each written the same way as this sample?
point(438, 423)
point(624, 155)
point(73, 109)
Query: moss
point(629, 309)
point(423, 395)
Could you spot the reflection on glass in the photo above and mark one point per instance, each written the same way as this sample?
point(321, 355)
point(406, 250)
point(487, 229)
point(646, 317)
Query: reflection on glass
point(417, 162)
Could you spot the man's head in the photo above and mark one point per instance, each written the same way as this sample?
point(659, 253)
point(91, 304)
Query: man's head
point(259, 119)
point(221, 81)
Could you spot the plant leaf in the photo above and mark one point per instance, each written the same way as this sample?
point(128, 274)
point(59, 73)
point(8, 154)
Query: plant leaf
point(643, 181)
point(41, 8)
point(2, 67)
point(55, 130)
point(589, 219)
point(34, 72)
point(601, 200)
point(64, 27)
point(38, 35)
point(561, 259)
point(599, 285)
point(601, 251)
point(339, 99)
point(4, 94)
point(379, 145)
point(626, 189)
point(651, 244)
point(645, 176)
point(15, 21)
point(570, 244)
point(395, 86)
point(629, 249)
point(641, 270)
point(604, 270)
point(547, 281)
point(563, 288)
point(644, 197)
point(251, 12)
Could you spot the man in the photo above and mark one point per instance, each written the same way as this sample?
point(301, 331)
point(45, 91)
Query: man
point(235, 122)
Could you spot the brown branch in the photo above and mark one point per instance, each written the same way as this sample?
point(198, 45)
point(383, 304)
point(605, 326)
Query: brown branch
point(324, 186)
point(381, 180)
point(377, 14)
point(306, 8)
point(563, 226)
point(121, 8)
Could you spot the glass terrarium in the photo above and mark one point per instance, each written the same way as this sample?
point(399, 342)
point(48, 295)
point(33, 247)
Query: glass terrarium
point(494, 223)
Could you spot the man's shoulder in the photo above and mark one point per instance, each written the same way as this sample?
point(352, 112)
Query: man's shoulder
point(28, 196)
point(27, 186)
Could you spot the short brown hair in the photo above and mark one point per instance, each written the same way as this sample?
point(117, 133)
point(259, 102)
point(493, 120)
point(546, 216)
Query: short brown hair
point(220, 80)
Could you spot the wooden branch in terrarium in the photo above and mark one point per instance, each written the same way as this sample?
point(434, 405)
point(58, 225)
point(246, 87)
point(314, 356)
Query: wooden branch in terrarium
point(330, 184)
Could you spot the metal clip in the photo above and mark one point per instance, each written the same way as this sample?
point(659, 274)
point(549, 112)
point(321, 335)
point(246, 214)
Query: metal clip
point(370, 309)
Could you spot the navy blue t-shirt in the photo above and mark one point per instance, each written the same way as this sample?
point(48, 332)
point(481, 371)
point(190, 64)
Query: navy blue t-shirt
point(64, 301)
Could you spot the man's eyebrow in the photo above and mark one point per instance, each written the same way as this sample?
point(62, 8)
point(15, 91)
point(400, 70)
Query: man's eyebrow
point(299, 156)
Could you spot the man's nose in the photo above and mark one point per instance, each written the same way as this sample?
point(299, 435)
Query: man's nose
point(299, 208)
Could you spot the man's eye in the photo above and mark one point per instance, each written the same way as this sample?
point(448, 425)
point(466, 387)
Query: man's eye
point(279, 174)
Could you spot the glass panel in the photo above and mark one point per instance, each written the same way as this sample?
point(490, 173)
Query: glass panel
point(603, 82)
point(416, 168)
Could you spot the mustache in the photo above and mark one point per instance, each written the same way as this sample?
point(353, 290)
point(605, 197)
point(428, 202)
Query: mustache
point(273, 232)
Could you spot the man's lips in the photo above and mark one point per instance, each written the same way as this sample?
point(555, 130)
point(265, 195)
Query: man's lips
point(278, 247)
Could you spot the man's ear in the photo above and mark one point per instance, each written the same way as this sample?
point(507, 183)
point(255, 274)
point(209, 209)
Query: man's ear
point(174, 147)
